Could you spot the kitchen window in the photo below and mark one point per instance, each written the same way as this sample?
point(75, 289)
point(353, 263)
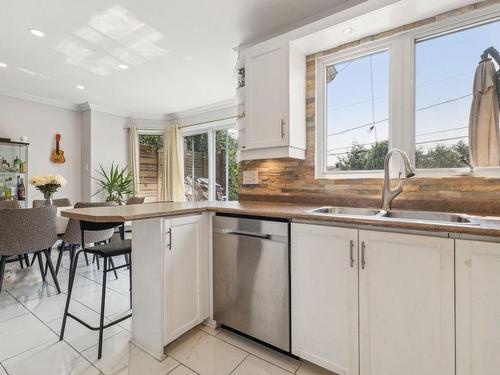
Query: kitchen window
point(413, 91)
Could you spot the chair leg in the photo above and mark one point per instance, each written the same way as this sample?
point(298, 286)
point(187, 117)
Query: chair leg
point(72, 273)
point(96, 259)
point(33, 259)
point(40, 264)
point(86, 258)
point(27, 259)
point(72, 251)
point(51, 268)
point(3, 258)
point(103, 304)
point(46, 263)
point(20, 258)
point(59, 259)
point(113, 266)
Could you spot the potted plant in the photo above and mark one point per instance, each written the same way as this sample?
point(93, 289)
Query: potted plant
point(115, 183)
point(48, 185)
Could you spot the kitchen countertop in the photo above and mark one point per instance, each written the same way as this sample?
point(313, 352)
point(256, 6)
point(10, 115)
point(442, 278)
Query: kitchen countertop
point(483, 226)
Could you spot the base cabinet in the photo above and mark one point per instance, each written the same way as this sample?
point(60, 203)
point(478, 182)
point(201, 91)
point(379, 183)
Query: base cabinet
point(478, 307)
point(406, 304)
point(324, 288)
point(183, 274)
point(394, 305)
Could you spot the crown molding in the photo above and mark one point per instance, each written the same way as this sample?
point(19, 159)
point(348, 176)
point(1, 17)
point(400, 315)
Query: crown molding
point(223, 105)
point(39, 99)
point(91, 106)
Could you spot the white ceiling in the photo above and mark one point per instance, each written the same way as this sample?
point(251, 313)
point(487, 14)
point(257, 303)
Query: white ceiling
point(179, 53)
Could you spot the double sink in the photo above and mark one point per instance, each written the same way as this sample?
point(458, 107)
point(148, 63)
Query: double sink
point(437, 217)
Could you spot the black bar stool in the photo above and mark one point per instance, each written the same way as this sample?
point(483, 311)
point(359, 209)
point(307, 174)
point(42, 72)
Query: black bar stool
point(106, 251)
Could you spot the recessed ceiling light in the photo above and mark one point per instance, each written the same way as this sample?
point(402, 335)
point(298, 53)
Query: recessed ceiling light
point(347, 31)
point(80, 87)
point(37, 33)
point(188, 58)
point(123, 66)
point(3, 65)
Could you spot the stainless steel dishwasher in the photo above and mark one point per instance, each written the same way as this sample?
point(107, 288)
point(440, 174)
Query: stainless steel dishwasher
point(252, 278)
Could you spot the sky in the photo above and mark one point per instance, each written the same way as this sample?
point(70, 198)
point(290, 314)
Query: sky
point(445, 67)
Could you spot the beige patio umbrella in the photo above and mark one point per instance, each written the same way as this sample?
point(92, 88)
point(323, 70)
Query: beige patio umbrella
point(484, 137)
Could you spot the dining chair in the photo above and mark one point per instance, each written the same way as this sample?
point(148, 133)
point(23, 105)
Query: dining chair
point(72, 236)
point(31, 229)
point(59, 202)
point(11, 203)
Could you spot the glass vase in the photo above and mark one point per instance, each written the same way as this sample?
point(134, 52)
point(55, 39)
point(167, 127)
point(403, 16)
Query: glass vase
point(48, 198)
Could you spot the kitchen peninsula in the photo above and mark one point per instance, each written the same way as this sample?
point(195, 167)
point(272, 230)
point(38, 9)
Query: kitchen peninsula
point(172, 274)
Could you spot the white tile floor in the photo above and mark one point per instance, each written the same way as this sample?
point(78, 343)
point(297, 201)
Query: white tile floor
point(30, 321)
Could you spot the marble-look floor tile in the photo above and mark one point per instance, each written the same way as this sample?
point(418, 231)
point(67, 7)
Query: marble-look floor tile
point(55, 359)
point(261, 351)
point(49, 308)
point(2, 370)
point(119, 356)
point(125, 324)
point(307, 368)
point(209, 330)
point(256, 366)
point(23, 333)
point(205, 354)
point(79, 336)
point(115, 302)
point(81, 286)
point(28, 284)
point(10, 307)
point(182, 370)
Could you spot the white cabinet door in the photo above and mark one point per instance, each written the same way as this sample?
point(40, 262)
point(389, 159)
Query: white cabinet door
point(478, 307)
point(324, 284)
point(183, 274)
point(406, 304)
point(266, 99)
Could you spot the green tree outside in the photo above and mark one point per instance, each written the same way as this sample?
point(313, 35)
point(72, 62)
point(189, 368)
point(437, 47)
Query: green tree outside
point(361, 157)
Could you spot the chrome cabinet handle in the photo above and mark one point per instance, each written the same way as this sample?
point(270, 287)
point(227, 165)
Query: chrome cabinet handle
point(169, 244)
point(351, 253)
point(363, 261)
point(282, 128)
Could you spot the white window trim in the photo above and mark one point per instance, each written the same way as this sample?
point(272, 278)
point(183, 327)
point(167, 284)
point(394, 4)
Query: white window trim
point(401, 48)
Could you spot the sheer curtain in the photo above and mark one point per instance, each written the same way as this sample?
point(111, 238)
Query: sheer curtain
point(134, 159)
point(173, 164)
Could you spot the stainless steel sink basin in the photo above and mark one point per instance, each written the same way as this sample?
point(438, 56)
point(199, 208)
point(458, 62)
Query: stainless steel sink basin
point(428, 216)
point(352, 211)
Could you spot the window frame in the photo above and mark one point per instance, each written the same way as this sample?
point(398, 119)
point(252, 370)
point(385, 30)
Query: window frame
point(402, 69)
point(210, 129)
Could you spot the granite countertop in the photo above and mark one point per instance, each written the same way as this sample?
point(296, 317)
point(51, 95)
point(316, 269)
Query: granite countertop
point(482, 226)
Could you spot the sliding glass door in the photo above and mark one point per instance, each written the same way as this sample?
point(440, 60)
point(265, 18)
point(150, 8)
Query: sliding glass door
point(210, 167)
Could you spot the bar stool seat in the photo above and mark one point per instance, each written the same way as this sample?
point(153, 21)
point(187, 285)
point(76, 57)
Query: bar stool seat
point(112, 249)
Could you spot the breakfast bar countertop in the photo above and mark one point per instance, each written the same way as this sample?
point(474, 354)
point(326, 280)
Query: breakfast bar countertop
point(481, 226)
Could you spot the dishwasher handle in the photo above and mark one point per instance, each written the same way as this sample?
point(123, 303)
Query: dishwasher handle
point(261, 236)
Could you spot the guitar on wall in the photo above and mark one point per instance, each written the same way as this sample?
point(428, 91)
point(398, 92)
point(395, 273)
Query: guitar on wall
point(58, 154)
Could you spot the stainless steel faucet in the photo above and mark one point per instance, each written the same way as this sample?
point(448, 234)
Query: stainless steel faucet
point(389, 194)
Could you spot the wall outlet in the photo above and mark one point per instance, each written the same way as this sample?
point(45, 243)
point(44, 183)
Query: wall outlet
point(250, 177)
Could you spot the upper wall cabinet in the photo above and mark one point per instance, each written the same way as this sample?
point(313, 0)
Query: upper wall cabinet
point(275, 103)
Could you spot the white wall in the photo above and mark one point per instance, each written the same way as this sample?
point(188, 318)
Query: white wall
point(40, 123)
point(109, 144)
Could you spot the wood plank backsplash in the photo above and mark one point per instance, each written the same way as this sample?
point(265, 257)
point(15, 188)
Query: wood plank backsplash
point(291, 180)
